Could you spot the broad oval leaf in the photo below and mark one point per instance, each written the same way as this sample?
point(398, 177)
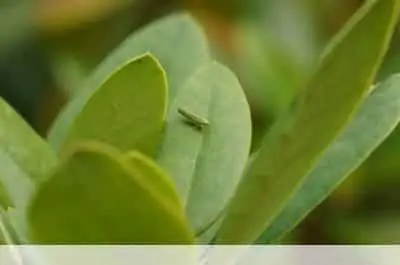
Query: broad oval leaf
point(294, 144)
point(161, 39)
point(25, 159)
point(373, 122)
point(98, 196)
point(126, 111)
point(207, 161)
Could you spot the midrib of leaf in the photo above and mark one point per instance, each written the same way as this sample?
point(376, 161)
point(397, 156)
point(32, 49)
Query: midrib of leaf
point(201, 150)
point(201, 156)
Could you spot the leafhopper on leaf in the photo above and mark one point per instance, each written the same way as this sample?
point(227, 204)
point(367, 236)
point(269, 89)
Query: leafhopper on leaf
point(193, 118)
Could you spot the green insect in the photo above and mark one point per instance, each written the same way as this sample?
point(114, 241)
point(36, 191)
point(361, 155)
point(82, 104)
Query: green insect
point(193, 119)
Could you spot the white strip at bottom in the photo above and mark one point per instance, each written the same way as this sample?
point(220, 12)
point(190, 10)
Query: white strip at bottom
point(200, 255)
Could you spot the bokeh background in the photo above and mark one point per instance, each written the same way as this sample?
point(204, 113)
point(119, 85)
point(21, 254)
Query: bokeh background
point(48, 47)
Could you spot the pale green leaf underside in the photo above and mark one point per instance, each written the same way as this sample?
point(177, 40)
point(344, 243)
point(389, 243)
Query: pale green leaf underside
point(207, 163)
point(373, 122)
point(126, 111)
point(177, 42)
point(99, 197)
point(293, 146)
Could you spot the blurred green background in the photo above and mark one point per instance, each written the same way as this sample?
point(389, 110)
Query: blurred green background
point(48, 47)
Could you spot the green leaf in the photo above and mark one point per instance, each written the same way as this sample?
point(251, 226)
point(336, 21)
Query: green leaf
point(207, 163)
point(20, 143)
point(294, 144)
point(374, 121)
point(126, 111)
point(161, 39)
point(177, 41)
point(98, 196)
point(25, 159)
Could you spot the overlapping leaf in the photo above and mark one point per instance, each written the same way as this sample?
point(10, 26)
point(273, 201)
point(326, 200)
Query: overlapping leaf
point(161, 39)
point(207, 163)
point(98, 196)
point(126, 111)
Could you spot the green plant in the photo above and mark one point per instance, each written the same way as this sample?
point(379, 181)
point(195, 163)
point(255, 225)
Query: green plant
point(123, 165)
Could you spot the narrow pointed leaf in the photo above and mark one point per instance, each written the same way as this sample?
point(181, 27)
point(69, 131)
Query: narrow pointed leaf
point(161, 39)
point(376, 119)
point(25, 159)
point(293, 146)
point(21, 144)
point(126, 111)
point(207, 161)
point(97, 196)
